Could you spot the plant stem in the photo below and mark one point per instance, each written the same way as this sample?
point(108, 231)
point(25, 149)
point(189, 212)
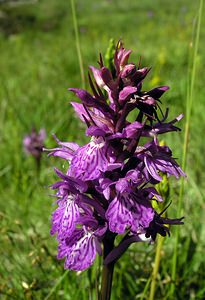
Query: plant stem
point(38, 166)
point(190, 94)
point(107, 276)
point(160, 240)
point(53, 290)
point(107, 273)
point(75, 24)
point(143, 295)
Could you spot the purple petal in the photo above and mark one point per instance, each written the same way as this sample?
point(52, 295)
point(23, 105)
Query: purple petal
point(98, 76)
point(64, 218)
point(122, 185)
point(126, 92)
point(101, 230)
point(90, 160)
point(118, 216)
point(42, 134)
point(121, 58)
point(60, 152)
point(104, 187)
point(84, 96)
point(97, 116)
point(141, 74)
point(132, 130)
point(95, 131)
point(79, 254)
point(69, 145)
point(156, 93)
point(125, 213)
point(113, 166)
point(107, 78)
point(80, 110)
point(128, 72)
point(151, 168)
point(66, 152)
point(135, 176)
point(72, 183)
point(153, 193)
point(90, 101)
point(93, 203)
point(66, 244)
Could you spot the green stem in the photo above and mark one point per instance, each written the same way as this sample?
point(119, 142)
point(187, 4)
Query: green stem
point(53, 290)
point(185, 145)
point(75, 24)
point(143, 295)
point(156, 267)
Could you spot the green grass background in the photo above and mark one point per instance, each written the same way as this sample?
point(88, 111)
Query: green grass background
point(38, 62)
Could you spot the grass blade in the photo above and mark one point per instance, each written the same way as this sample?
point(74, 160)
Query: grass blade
point(77, 40)
point(190, 94)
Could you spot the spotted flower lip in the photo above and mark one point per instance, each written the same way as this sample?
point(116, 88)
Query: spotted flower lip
point(65, 217)
point(79, 251)
point(92, 159)
point(110, 184)
point(128, 209)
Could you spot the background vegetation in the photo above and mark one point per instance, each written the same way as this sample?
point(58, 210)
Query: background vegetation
point(38, 62)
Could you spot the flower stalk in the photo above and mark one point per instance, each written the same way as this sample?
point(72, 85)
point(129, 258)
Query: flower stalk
point(107, 276)
point(108, 269)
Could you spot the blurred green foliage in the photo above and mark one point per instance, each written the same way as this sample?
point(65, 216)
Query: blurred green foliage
point(38, 63)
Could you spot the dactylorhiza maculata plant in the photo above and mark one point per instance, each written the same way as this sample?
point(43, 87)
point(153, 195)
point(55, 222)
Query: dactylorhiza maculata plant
point(109, 187)
point(33, 144)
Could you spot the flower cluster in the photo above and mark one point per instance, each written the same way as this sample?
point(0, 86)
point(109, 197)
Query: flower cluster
point(109, 186)
point(34, 142)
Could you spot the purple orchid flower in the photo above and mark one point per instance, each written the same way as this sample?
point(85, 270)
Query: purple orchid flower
point(109, 187)
point(33, 143)
point(91, 160)
point(66, 216)
point(79, 250)
point(159, 159)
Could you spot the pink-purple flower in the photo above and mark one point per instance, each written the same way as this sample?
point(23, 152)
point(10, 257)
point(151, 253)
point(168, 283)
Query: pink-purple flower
point(109, 187)
point(33, 143)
